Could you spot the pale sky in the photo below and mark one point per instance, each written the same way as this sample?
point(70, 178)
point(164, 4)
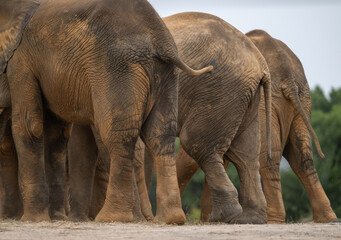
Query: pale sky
point(311, 28)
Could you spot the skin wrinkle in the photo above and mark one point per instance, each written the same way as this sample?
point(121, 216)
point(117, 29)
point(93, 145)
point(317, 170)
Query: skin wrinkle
point(192, 107)
point(81, 108)
point(292, 136)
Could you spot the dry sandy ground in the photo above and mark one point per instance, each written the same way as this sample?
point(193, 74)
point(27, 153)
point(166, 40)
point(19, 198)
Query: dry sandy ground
point(83, 231)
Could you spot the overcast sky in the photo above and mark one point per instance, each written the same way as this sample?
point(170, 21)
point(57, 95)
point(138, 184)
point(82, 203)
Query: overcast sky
point(311, 28)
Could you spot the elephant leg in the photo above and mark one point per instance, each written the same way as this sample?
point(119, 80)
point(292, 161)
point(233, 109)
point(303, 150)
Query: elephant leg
point(118, 205)
point(56, 135)
point(206, 203)
point(118, 118)
point(11, 201)
point(101, 178)
point(158, 134)
point(139, 170)
point(148, 168)
point(27, 129)
point(244, 153)
point(186, 167)
point(137, 210)
point(82, 155)
point(270, 173)
point(298, 152)
point(224, 196)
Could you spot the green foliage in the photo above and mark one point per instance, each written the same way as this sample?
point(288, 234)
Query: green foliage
point(192, 195)
point(326, 121)
point(319, 101)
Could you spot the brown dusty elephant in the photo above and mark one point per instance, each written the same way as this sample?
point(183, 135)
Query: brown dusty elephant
point(291, 131)
point(218, 115)
point(81, 145)
point(88, 179)
point(109, 64)
point(10, 197)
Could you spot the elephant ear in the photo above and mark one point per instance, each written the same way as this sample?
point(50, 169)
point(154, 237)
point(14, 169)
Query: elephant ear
point(14, 15)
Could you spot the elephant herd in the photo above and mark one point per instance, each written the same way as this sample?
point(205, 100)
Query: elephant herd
point(93, 94)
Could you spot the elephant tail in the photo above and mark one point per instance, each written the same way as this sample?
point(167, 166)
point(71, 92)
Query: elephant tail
point(294, 98)
point(184, 67)
point(266, 81)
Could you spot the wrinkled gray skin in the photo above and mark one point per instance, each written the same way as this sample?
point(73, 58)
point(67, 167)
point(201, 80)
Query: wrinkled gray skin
point(80, 201)
point(88, 179)
point(55, 155)
point(218, 114)
point(291, 131)
point(115, 74)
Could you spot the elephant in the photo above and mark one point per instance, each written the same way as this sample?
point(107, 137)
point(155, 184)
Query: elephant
point(218, 115)
point(81, 144)
point(108, 64)
point(290, 133)
point(88, 179)
point(11, 200)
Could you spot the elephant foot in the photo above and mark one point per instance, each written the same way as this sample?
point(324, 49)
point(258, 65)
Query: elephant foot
point(58, 215)
point(325, 217)
point(75, 217)
point(228, 214)
point(106, 216)
point(11, 215)
point(275, 217)
point(251, 217)
point(36, 217)
point(276, 221)
point(138, 216)
point(171, 216)
point(147, 213)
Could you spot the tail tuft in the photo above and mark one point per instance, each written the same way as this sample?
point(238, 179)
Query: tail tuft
point(213, 63)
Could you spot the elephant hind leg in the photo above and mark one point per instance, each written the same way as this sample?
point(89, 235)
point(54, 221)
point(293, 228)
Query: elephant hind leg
point(82, 155)
point(119, 109)
point(158, 134)
point(224, 196)
point(10, 197)
point(139, 170)
point(271, 180)
point(298, 152)
point(27, 129)
point(186, 167)
point(206, 203)
point(244, 154)
point(55, 163)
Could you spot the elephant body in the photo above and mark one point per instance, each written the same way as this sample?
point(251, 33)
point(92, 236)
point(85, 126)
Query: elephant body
point(109, 64)
point(290, 136)
point(212, 123)
point(291, 130)
point(11, 202)
point(218, 114)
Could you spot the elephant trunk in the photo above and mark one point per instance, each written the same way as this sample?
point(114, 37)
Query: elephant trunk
point(266, 81)
point(294, 98)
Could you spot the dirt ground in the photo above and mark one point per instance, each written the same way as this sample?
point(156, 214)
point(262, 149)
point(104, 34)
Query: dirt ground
point(90, 230)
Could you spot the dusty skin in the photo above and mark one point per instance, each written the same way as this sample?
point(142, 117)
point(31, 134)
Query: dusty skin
point(91, 230)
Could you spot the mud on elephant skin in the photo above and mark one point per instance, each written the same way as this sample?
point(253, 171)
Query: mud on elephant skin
point(218, 114)
point(291, 131)
point(56, 135)
point(88, 178)
point(115, 74)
